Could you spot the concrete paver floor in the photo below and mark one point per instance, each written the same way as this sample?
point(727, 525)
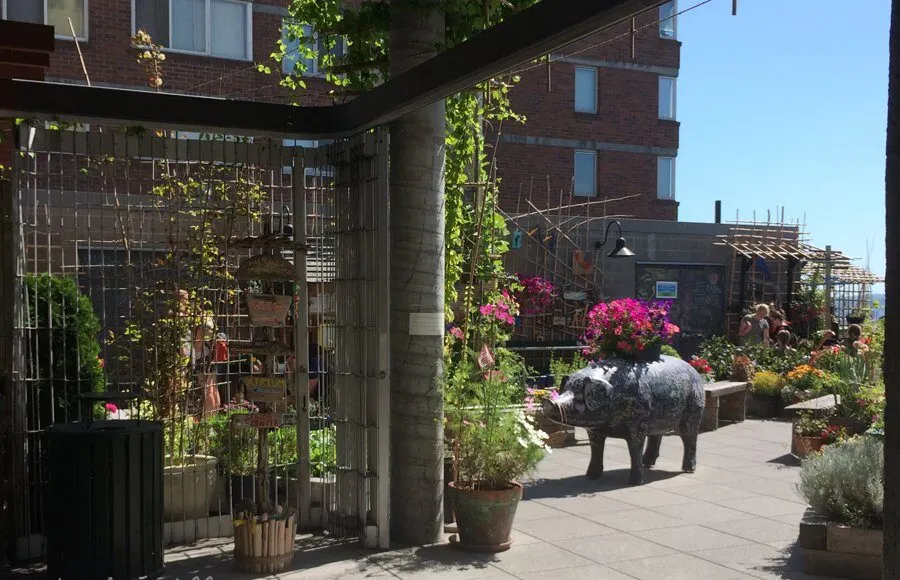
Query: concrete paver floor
point(735, 518)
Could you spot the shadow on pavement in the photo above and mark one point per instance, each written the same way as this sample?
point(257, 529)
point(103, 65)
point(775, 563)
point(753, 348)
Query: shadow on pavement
point(576, 485)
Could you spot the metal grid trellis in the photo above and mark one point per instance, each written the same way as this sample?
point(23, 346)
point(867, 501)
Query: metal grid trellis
point(124, 232)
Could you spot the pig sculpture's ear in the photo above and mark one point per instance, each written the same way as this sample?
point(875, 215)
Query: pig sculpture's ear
point(562, 382)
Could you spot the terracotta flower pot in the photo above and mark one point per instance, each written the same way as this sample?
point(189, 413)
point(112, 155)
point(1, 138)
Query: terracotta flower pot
point(804, 446)
point(484, 518)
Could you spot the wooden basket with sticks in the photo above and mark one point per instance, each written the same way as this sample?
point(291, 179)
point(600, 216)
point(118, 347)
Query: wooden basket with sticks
point(264, 545)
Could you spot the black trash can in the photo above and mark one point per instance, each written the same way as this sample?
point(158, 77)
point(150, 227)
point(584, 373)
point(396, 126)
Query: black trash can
point(105, 516)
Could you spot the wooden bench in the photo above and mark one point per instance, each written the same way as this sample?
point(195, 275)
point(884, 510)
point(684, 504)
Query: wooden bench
point(725, 401)
point(820, 407)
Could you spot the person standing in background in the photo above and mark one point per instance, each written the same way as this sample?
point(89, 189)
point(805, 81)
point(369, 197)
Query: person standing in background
point(754, 327)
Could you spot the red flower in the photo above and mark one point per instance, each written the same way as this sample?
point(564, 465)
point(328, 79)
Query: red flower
point(111, 407)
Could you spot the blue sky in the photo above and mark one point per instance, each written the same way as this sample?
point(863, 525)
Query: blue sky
point(784, 105)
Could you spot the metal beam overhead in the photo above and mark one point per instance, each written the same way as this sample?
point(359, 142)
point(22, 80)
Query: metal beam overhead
point(523, 37)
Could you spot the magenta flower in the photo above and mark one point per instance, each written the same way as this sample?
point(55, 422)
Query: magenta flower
point(111, 407)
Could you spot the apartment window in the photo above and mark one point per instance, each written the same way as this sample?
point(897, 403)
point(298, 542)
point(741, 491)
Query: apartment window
point(585, 173)
point(55, 13)
point(665, 178)
point(585, 89)
point(219, 28)
point(293, 53)
point(667, 98)
point(668, 20)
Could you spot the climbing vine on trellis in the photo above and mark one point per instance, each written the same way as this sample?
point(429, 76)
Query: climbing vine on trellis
point(476, 234)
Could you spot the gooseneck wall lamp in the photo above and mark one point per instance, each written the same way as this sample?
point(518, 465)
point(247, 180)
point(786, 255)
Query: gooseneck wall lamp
point(620, 251)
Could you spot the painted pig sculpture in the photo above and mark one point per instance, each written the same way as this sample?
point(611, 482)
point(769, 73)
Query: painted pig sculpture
point(635, 401)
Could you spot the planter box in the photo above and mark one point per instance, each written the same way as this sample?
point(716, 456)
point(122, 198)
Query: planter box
point(764, 406)
point(839, 551)
point(803, 446)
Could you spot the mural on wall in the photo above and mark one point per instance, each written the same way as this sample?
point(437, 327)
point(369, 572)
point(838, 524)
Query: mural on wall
point(698, 298)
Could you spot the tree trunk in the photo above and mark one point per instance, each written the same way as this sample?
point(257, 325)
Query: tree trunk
point(892, 311)
point(417, 288)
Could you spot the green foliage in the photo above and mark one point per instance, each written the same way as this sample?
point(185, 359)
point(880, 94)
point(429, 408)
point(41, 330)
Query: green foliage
point(719, 352)
point(669, 350)
point(807, 425)
point(496, 448)
point(62, 348)
point(845, 482)
point(767, 383)
point(560, 368)
point(201, 211)
point(322, 451)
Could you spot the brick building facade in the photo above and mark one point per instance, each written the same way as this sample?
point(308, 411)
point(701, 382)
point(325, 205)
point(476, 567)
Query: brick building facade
point(601, 123)
point(600, 120)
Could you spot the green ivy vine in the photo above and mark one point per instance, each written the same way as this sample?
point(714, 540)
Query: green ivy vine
point(476, 233)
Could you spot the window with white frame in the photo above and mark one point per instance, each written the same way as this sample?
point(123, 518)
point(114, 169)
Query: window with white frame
point(55, 13)
point(221, 28)
point(668, 25)
point(585, 173)
point(293, 53)
point(665, 178)
point(667, 98)
point(585, 89)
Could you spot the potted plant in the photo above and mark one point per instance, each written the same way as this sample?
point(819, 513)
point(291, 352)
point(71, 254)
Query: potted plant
point(235, 449)
point(808, 434)
point(702, 366)
point(190, 478)
point(844, 487)
point(630, 329)
point(858, 315)
point(765, 394)
point(493, 441)
point(536, 296)
point(742, 368)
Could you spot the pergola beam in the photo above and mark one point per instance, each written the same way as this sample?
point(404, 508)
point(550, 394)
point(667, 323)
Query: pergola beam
point(523, 37)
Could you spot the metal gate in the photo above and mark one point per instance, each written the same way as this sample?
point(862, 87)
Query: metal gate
point(128, 242)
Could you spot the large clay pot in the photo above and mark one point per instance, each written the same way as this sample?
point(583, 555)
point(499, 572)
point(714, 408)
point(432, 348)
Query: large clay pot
point(484, 518)
point(189, 487)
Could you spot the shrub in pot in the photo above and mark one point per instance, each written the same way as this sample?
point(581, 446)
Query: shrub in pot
point(765, 391)
point(845, 482)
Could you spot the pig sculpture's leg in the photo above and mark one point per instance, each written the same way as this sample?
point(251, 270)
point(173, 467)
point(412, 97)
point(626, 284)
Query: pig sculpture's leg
point(598, 442)
point(636, 437)
point(688, 430)
point(651, 454)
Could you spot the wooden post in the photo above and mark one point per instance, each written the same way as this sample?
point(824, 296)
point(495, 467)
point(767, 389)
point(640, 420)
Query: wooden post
point(828, 288)
point(8, 284)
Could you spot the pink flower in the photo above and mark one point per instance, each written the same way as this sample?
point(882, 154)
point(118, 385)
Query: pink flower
point(554, 395)
point(111, 407)
point(486, 310)
point(457, 332)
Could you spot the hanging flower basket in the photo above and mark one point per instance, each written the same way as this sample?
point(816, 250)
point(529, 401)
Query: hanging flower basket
point(268, 309)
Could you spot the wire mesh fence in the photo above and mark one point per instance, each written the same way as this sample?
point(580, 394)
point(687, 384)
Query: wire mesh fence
point(130, 255)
